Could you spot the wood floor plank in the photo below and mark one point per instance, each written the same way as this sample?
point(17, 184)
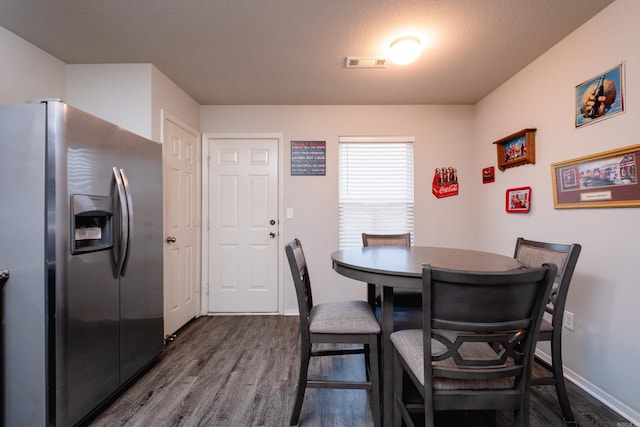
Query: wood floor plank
point(242, 371)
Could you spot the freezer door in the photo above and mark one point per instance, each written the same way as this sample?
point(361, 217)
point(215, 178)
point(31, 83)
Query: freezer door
point(85, 318)
point(22, 237)
point(141, 303)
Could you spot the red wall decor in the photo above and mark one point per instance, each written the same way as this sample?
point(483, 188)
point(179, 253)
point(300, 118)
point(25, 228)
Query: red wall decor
point(518, 200)
point(445, 182)
point(488, 175)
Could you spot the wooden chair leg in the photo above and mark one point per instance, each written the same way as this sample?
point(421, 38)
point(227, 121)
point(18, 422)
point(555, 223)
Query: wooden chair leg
point(374, 369)
point(397, 395)
point(302, 384)
point(371, 295)
point(521, 415)
point(367, 361)
point(561, 388)
point(401, 415)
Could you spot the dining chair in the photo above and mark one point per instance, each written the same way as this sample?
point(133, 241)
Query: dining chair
point(401, 297)
point(565, 256)
point(343, 322)
point(475, 348)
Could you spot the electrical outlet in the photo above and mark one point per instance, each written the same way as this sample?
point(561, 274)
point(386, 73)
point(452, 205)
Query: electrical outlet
point(569, 321)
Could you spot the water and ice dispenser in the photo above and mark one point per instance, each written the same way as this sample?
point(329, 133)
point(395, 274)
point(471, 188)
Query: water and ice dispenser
point(91, 223)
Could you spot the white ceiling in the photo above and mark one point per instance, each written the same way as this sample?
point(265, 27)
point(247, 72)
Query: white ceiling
point(271, 52)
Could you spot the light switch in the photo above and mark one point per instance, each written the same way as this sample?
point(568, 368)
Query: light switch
point(289, 213)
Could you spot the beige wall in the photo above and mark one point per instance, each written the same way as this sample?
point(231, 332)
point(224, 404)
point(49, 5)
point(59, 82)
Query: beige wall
point(26, 72)
point(118, 93)
point(443, 138)
point(131, 96)
point(604, 294)
point(169, 97)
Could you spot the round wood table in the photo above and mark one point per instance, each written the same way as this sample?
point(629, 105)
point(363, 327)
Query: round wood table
point(401, 267)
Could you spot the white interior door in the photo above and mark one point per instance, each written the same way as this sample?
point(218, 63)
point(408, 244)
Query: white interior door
point(243, 225)
point(182, 224)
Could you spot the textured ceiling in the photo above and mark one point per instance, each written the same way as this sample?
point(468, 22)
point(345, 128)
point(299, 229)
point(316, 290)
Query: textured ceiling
point(279, 52)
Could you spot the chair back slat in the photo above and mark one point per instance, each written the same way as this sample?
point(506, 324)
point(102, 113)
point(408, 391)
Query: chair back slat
point(301, 279)
point(565, 256)
point(403, 239)
point(481, 326)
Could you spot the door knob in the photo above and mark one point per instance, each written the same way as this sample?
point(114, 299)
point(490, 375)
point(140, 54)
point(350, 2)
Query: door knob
point(272, 235)
point(171, 239)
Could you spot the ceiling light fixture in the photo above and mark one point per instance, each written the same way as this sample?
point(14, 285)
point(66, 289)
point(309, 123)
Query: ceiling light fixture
point(405, 50)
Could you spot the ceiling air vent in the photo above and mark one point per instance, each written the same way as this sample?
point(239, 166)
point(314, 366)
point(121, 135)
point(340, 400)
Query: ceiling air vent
point(365, 62)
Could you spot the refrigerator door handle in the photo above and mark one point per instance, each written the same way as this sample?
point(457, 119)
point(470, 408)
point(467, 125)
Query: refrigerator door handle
point(124, 222)
point(127, 250)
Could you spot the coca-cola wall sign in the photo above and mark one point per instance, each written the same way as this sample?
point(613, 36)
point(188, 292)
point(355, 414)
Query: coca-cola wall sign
point(445, 182)
point(600, 97)
point(488, 175)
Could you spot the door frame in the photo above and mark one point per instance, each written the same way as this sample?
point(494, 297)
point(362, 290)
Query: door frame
point(206, 162)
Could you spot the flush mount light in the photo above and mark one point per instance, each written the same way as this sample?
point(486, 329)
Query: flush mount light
point(404, 50)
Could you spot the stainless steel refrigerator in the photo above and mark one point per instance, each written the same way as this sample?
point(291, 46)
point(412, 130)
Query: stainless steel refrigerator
point(81, 239)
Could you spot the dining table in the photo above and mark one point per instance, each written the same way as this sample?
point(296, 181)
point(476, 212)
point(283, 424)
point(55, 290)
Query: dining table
point(401, 267)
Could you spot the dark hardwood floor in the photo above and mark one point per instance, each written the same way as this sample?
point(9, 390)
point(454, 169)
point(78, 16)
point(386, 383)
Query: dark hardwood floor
point(237, 371)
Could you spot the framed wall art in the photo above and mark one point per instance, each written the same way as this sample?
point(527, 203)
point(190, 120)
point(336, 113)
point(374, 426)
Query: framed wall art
point(488, 175)
point(516, 149)
point(602, 180)
point(518, 200)
point(600, 97)
point(308, 158)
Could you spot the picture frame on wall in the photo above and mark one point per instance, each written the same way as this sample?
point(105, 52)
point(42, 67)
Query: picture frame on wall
point(308, 158)
point(600, 97)
point(488, 175)
point(602, 180)
point(518, 200)
point(516, 149)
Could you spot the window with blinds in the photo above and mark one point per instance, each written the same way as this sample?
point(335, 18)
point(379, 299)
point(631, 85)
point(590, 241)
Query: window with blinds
point(375, 187)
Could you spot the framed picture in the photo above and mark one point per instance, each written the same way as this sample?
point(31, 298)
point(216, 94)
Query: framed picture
point(518, 200)
point(603, 180)
point(600, 97)
point(488, 175)
point(517, 149)
point(308, 158)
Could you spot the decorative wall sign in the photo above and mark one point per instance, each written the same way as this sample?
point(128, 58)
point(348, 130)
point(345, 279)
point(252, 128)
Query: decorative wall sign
point(445, 182)
point(600, 97)
point(518, 200)
point(488, 175)
point(308, 158)
point(603, 180)
point(516, 149)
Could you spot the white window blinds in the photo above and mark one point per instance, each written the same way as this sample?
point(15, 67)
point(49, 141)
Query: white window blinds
point(376, 187)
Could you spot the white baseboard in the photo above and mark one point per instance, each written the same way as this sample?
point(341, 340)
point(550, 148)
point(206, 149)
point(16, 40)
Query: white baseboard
point(213, 313)
point(602, 396)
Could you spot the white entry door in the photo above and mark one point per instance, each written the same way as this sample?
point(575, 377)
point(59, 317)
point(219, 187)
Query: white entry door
point(243, 225)
point(182, 224)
